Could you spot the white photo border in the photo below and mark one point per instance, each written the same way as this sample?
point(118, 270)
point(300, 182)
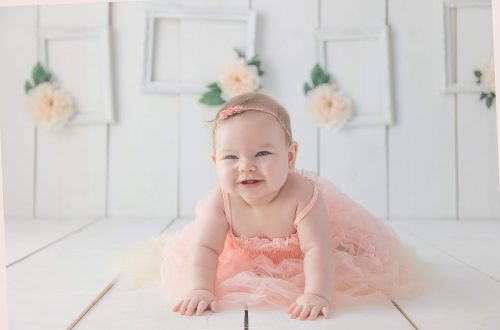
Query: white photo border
point(148, 84)
point(450, 48)
point(380, 34)
point(105, 114)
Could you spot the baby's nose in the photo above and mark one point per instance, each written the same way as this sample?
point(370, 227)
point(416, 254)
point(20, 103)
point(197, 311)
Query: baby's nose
point(247, 165)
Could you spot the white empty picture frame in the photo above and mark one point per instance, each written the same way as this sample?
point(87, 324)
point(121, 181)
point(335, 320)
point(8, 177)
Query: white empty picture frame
point(103, 112)
point(155, 14)
point(383, 114)
point(451, 85)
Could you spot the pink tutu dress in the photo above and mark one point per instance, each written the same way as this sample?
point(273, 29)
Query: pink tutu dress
point(370, 263)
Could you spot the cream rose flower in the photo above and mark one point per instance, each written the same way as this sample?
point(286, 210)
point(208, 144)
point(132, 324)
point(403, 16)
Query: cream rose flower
point(49, 106)
point(329, 107)
point(238, 78)
point(489, 77)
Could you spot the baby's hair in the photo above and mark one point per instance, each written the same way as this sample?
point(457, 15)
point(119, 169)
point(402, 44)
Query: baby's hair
point(254, 102)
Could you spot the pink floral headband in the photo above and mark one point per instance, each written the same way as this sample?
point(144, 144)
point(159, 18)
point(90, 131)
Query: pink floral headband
point(228, 112)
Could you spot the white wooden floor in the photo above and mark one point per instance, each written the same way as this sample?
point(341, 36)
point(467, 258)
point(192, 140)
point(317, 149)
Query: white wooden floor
point(59, 277)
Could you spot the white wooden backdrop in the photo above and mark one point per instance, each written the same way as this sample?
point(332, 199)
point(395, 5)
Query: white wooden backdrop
point(438, 160)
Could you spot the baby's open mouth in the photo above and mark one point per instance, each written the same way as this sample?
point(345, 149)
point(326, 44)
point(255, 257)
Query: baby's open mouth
point(250, 181)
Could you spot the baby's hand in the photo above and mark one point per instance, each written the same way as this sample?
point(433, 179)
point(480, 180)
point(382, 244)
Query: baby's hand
point(309, 306)
point(196, 300)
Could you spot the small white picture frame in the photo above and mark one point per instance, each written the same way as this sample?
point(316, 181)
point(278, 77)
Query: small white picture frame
point(450, 7)
point(104, 113)
point(154, 14)
point(381, 36)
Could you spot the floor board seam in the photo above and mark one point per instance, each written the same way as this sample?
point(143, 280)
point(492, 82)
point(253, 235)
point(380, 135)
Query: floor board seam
point(406, 316)
point(54, 242)
point(106, 289)
point(101, 294)
point(172, 221)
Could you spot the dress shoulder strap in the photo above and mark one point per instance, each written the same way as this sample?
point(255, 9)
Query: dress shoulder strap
point(227, 207)
point(308, 207)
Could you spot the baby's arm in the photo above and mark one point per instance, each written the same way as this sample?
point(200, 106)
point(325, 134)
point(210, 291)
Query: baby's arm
point(207, 246)
point(315, 242)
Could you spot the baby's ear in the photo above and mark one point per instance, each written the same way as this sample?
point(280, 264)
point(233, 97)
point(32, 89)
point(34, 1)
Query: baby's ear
point(292, 155)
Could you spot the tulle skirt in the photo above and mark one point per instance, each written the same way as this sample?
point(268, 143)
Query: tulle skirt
point(370, 263)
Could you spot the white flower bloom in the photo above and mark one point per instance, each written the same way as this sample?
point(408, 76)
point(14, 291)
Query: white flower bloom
point(329, 107)
point(238, 78)
point(49, 106)
point(489, 77)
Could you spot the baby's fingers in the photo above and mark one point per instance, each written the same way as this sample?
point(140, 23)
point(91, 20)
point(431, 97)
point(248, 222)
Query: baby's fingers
point(305, 312)
point(314, 313)
point(291, 307)
point(184, 306)
point(326, 312)
point(177, 306)
point(192, 306)
point(296, 311)
point(202, 305)
point(213, 306)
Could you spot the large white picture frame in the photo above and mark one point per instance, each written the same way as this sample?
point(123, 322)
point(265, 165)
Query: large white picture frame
point(381, 35)
point(449, 19)
point(154, 14)
point(105, 113)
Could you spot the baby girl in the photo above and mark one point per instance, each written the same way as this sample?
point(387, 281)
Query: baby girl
point(271, 236)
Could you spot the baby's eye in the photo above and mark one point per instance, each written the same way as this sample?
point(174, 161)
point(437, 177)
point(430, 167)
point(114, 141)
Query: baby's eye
point(230, 157)
point(263, 153)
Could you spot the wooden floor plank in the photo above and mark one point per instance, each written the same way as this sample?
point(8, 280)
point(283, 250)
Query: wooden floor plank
point(148, 309)
point(475, 243)
point(27, 236)
point(49, 289)
point(371, 316)
point(457, 296)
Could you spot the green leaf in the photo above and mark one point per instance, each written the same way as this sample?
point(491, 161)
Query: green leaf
point(254, 60)
point(27, 86)
point(319, 76)
point(214, 87)
point(47, 77)
point(40, 75)
point(483, 95)
point(478, 75)
point(239, 52)
point(307, 88)
point(489, 101)
point(211, 97)
point(325, 79)
point(259, 69)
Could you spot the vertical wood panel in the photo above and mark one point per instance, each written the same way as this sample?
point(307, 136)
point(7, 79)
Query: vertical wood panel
point(478, 194)
point(422, 176)
point(286, 45)
point(143, 141)
point(196, 172)
point(71, 164)
point(355, 158)
point(17, 57)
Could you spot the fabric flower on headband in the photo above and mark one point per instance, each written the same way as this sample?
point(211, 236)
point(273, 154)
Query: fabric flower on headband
point(239, 77)
point(328, 106)
point(489, 83)
point(230, 111)
point(48, 106)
